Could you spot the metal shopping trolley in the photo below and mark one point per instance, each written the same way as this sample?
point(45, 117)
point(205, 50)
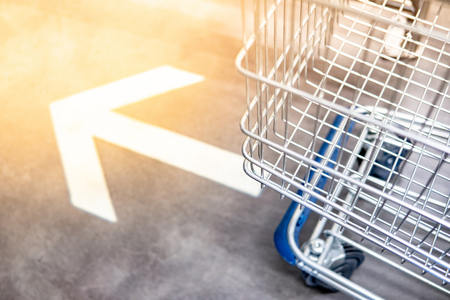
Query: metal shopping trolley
point(348, 116)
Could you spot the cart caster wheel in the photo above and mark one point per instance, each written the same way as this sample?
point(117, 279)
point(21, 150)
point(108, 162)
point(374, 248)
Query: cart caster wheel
point(353, 259)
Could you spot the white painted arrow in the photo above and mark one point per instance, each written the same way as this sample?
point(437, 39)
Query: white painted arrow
point(78, 118)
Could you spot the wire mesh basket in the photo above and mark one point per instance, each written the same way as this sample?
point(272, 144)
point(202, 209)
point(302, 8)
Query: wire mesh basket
point(348, 116)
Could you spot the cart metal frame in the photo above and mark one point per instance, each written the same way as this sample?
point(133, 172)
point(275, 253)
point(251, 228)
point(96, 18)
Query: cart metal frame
point(347, 116)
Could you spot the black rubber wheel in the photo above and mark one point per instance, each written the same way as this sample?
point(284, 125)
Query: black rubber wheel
point(353, 259)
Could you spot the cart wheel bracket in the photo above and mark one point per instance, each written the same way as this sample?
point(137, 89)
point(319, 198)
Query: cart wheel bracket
point(343, 259)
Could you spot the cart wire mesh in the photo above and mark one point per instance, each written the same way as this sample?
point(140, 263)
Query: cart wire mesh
point(355, 94)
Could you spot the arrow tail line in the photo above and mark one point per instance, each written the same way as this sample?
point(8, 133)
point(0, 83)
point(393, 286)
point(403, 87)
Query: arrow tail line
point(188, 154)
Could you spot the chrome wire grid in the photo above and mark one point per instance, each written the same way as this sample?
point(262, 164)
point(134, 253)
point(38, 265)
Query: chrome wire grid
point(355, 92)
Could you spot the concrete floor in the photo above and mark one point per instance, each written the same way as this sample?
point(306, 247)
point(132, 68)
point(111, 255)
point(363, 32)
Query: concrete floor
point(178, 236)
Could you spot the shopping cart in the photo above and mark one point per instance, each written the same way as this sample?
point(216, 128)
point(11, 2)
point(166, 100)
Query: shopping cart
point(348, 116)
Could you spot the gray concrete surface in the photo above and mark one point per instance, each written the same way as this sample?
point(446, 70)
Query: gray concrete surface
point(179, 236)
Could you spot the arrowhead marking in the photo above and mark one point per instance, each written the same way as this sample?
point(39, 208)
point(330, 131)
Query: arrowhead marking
point(79, 117)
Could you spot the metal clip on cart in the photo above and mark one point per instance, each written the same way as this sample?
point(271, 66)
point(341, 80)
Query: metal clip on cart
point(348, 116)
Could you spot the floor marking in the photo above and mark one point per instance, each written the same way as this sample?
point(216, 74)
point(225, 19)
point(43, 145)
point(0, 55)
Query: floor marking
point(78, 118)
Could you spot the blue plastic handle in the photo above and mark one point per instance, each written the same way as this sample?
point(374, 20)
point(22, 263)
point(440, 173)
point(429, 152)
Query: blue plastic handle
point(281, 236)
